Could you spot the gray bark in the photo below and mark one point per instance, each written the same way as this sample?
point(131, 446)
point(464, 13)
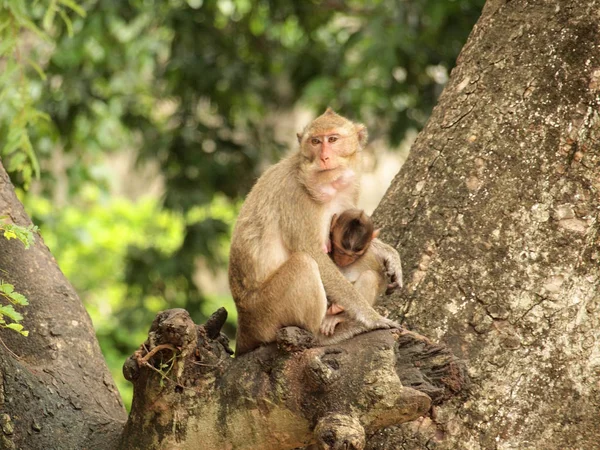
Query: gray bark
point(496, 216)
point(55, 389)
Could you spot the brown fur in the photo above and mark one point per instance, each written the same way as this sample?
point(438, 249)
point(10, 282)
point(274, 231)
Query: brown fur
point(351, 235)
point(278, 272)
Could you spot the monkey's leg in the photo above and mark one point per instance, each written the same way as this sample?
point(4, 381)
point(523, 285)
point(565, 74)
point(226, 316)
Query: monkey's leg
point(292, 296)
point(339, 327)
point(368, 285)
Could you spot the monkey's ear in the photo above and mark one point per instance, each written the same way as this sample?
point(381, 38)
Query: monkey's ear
point(299, 136)
point(329, 111)
point(376, 233)
point(363, 134)
point(333, 222)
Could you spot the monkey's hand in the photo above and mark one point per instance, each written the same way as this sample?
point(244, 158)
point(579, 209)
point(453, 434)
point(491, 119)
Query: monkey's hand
point(392, 264)
point(331, 319)
point(334, 309)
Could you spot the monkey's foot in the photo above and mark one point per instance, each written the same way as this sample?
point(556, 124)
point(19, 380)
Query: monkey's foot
point(329, 323)
point(382, 323)
point(294, 339)
point(339, 431)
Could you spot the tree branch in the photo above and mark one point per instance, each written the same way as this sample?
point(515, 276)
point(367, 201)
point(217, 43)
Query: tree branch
point(283, 395)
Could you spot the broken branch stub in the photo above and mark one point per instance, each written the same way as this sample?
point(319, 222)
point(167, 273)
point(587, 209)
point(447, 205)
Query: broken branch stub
point(191, 394)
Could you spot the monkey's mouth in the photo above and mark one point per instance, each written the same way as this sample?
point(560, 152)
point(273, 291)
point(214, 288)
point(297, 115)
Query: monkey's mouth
point(329, 169)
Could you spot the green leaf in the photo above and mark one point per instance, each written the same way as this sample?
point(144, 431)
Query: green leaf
point(15, 326)
point(26, 23)
point(67, 22)
point(26, 143)
point(49, 16)
point(37, 68)
point(19, 299)
point(8, 234)
point(24, 234)
point(74, 6)
point(7, 288)
point(10, 312)
point(7, 45)
point(18, 328)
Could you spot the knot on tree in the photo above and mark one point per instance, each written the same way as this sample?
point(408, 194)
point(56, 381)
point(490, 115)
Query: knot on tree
point(289, 394)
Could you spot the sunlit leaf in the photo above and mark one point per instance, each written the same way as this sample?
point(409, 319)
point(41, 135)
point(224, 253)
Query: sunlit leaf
point(38, 69)
point(9, 311)
point(48, 19)
point(74, 6)
point(8, 234)
point(67, 22)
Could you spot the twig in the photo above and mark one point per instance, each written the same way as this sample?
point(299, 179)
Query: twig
point(155, 350)
point(10, 351)
point(164, 377)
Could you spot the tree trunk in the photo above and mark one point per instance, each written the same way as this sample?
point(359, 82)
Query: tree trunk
point(496, 215)
point(55, 389)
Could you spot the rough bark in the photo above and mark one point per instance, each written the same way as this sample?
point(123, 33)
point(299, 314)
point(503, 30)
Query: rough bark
point(55, 389)
point(496, 216)
point(190, 394)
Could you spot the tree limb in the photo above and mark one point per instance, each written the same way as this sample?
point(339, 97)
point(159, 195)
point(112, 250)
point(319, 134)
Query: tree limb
point(283, 395)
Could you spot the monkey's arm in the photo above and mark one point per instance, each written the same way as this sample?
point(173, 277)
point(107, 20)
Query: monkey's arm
point(391, 261)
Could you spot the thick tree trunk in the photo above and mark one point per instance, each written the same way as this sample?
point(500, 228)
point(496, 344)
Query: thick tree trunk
point(55, 389)
point(496, 216)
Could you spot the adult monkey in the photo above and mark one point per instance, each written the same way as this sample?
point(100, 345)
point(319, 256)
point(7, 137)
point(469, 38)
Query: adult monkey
point(279, 271)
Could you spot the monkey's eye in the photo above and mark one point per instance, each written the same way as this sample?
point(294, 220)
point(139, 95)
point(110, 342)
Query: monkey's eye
point(332, 139)
point(315, 141)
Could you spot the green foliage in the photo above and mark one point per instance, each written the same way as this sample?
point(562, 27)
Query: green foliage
point(19, 115)
point(7, 312)
point(92, 239)
point(23, 234)
point(7, 290)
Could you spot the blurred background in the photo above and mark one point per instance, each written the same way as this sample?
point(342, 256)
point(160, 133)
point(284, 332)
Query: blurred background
point(132, 129)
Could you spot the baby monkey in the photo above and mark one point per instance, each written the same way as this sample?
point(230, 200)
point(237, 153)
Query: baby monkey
point(350, 236)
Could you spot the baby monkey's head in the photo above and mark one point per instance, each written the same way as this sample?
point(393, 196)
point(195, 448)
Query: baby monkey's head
point(351, 234)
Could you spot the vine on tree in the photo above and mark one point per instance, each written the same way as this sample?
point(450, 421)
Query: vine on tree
point(9, 298)
point(19, 114)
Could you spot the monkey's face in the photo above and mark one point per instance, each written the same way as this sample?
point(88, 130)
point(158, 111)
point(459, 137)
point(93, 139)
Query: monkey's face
point(343, 259)
point(330, 141)
point(345, 249)
point(329, 149)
